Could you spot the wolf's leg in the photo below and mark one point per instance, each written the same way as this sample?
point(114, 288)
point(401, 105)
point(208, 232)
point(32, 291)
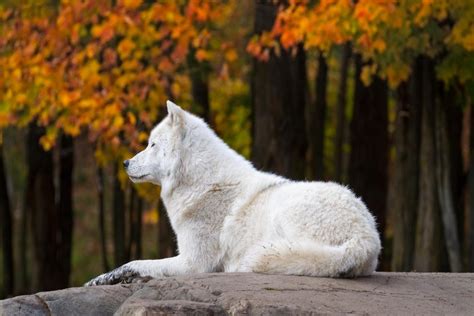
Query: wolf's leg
point(136, 270)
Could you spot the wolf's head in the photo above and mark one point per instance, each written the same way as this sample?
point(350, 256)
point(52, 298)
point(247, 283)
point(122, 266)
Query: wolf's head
point(164, 152)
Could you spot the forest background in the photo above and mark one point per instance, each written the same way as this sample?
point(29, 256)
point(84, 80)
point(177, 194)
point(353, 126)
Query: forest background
point(376, 95)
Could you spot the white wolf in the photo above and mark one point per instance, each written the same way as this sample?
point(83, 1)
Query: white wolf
point(230, 217)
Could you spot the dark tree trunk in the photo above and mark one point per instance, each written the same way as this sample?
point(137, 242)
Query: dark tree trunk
point(6, 226)
point(341, 113)
point(24, 279)
point(368, 164)
point(454, 124)
point(166, 241)
point(278, 101)
point(471, 192)
point(118, 220)
point(138, 229)
point(130, 245)
point(103, 235)
point(44, 217)
point(199, 74)
point(65, 207)
point(406, 170)
point(428, 243)
point(135, 222)
point(317, 118)
point(446, 144)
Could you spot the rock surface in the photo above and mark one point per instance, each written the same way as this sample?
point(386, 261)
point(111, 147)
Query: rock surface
point(257, 294)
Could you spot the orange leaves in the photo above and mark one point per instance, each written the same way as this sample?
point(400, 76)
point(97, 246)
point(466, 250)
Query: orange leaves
point(202, 55)
point(131, 4)
point(321, 26)
point(199, 10)
point(260, 46)
point(125, 47)
point(66, 98)
point(104, 66)
point(389, 33)
point(104, 32)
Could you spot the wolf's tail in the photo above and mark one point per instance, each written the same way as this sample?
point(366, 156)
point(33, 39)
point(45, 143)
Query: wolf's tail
point(356, 257)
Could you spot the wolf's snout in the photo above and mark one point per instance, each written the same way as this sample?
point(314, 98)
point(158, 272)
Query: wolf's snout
point(126, 163)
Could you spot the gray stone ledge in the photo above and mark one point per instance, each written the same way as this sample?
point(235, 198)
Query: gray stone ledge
point(259, 294)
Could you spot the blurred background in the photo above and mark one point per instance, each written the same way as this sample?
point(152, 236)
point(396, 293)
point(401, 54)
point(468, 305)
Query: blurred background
point(376, 95)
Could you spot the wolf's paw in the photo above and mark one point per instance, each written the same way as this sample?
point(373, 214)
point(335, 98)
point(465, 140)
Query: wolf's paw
point(123, 274)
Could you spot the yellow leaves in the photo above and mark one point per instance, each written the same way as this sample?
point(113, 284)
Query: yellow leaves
point(71, 129)
point(117, 122)
point(5, 119)
point(21, 98)
point(142, 137)
point(90, 72)
point(125, 47)
point(397, 74)
point(112, 110)
point(131, 118)
point(379, 45)
point(463, 34)
point(48, 140)
point(131, 4)
point(68, 97)
point(106, 66)
point(17, 74)
point(366, 74)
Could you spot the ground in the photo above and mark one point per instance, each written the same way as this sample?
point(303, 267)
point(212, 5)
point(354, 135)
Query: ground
point(248, 293)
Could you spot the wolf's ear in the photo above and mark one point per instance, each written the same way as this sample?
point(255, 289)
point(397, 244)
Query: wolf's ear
point(175, 113)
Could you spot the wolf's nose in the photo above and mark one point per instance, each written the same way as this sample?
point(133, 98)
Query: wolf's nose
point(125, 163)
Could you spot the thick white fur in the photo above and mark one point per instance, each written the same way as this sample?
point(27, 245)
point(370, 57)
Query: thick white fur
point(230, 217)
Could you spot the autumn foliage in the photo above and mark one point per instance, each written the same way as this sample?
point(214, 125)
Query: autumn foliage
point(102, 66)
point(388, 33)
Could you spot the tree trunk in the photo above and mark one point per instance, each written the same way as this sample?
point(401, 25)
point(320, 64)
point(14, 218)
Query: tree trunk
point(166, 240)
point(368, 164)
point(406, 170)
point(341, 114)
point(317, 118)
point(103, 235)
point(199, 74)
point(454, 125)
point(44, 217)
point(278, 102)
point(444, 185)
point(65, 207)
point(471, 191)
point(138, 230)
point(428, 244)
point(6, 226)
point(135, 222)
point(24, 279)
point(118, 221)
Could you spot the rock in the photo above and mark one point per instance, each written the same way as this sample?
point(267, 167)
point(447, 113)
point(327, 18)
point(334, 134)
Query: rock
point(259, 294)
point(100, 300)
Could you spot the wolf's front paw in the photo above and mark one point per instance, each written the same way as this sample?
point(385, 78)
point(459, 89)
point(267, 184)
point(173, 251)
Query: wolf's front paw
point(123, 274)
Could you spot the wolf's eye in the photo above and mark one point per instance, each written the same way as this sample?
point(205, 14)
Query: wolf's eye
point(152, 144)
